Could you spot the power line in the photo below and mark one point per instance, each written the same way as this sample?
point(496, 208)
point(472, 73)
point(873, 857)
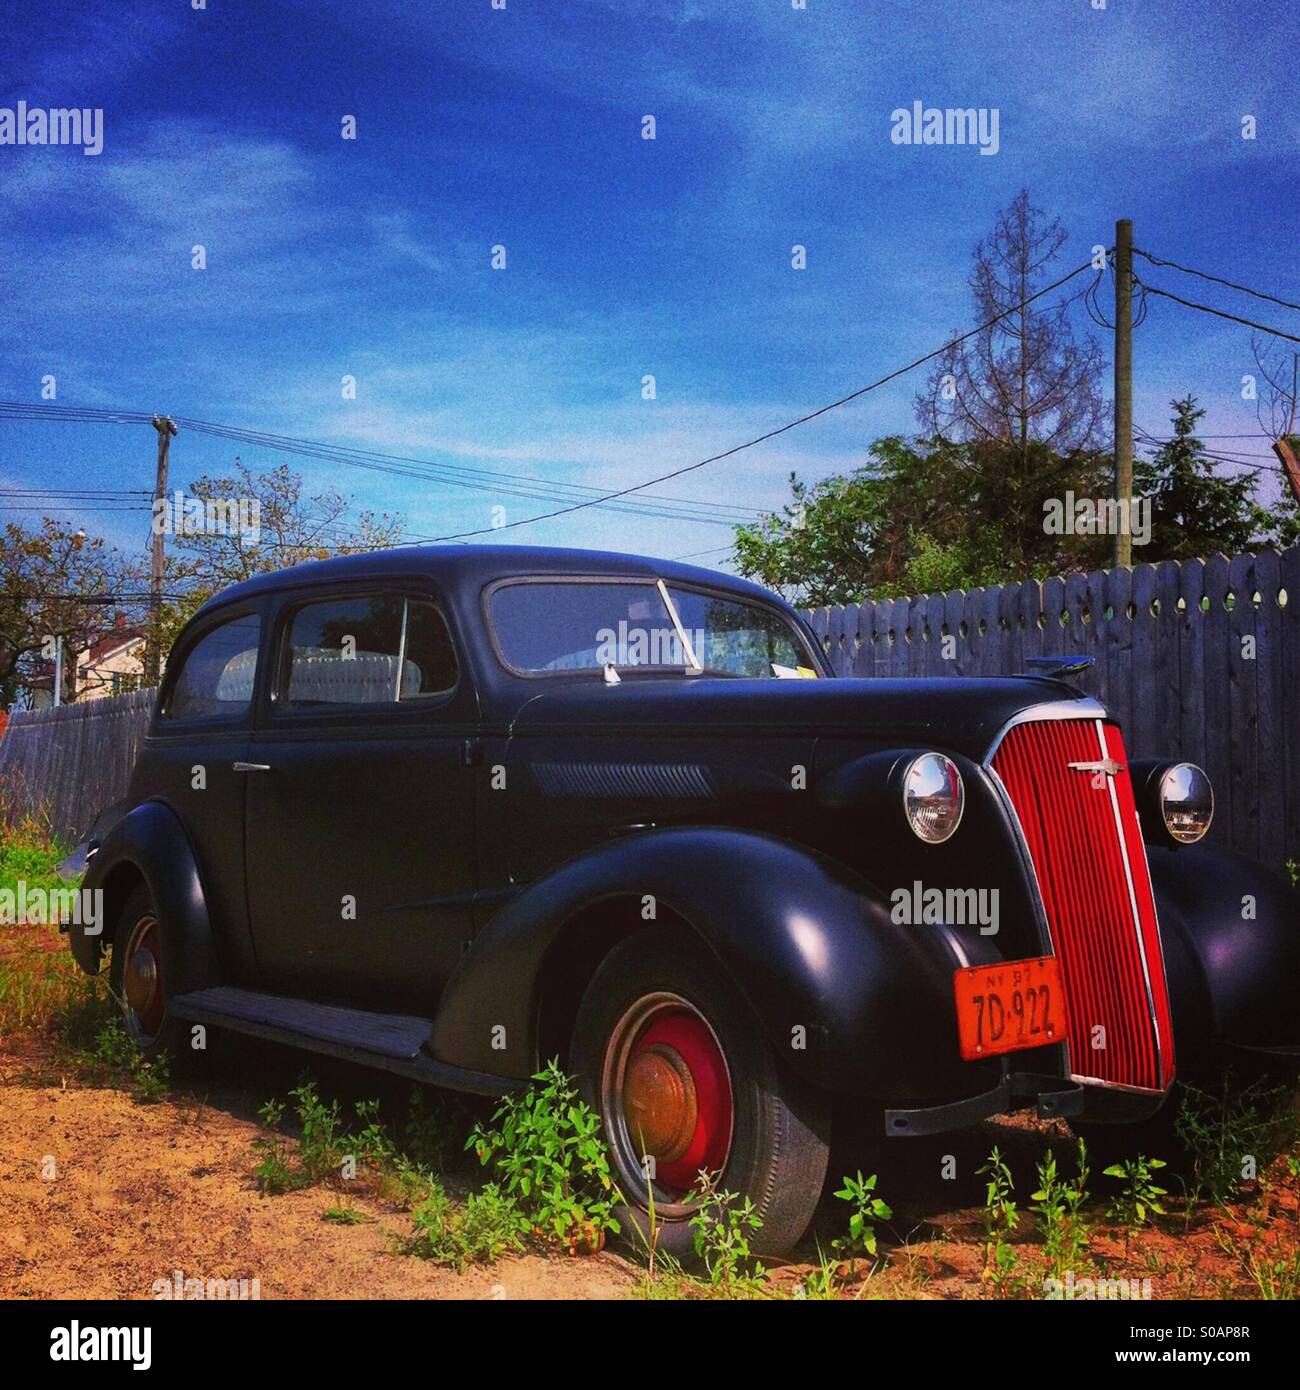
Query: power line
point(453, 475)
point(695, 554)
point(781, 429)
point(1217, 279)
point(1218, 313)
point(1217, 457)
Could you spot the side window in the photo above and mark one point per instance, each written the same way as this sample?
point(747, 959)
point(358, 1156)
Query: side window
point(429, 659)
point(364, 650)
point(216, 677)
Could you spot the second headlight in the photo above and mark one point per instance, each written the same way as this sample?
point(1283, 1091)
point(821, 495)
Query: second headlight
point(933, 797)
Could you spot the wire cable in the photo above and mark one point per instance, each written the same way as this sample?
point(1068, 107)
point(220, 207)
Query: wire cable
point(1218, 313)
point(790, 425)
point(1217, 279)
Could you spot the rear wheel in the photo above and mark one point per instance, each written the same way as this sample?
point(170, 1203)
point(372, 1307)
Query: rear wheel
point(136, 977)
point(681, 1074)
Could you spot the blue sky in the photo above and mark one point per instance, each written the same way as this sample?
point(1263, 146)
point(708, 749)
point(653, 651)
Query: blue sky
point(626, 257)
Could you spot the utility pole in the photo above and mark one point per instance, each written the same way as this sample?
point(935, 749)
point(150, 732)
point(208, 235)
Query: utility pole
point(1123, 384)
point(153, 662)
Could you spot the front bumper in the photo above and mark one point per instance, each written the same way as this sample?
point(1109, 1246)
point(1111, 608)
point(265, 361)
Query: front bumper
point(1056, 1098)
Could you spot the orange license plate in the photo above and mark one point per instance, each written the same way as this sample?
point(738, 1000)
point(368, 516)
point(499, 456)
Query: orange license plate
point(1009, 1006)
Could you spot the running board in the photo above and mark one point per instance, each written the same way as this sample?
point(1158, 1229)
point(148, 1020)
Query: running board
point(391, 1042)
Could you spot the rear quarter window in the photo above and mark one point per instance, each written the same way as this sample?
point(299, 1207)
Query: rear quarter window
point(216, 674)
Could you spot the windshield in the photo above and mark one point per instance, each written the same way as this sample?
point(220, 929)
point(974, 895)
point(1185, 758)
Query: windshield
point(585, 625)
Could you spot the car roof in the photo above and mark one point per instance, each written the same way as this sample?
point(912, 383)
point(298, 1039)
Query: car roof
point(474, 566)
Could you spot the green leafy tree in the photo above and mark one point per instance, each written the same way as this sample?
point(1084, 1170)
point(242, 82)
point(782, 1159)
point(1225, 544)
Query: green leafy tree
point(49, 580)
point(923, 517)
point(1195, 510)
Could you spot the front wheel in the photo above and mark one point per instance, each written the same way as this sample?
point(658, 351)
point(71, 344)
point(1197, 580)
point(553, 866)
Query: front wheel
point(681, 1075)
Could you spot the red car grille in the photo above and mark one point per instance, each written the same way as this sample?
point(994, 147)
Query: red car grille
point(1081, 830)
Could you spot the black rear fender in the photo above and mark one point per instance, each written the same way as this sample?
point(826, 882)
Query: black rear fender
point(149, 844)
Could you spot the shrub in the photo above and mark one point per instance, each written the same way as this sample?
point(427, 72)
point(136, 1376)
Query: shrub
point(545, 1147)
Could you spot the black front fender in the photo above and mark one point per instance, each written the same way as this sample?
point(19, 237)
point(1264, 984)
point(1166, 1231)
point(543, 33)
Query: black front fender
point(150, 843)
point(1231, 934)
point(852, 1000)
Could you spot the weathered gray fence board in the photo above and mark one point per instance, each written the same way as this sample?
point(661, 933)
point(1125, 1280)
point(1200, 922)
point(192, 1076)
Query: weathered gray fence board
point(1171, 661)
point(1271, 729)
point(1289, 642)
point(67, 764)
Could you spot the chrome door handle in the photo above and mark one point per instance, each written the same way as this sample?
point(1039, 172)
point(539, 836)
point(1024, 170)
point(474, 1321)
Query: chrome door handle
point(252, 767)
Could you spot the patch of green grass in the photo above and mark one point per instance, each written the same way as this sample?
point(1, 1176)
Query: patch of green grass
point(487, 1226)
point(1000, 1220)
point(1275, 1273)
point(30, 854)
point(328, 1149)
point(1232, 1135)
point(275, 1171)
point(1139, 1196)
point(723, 1224)
point(42, 989)
point(865, 1210)
point(345, 1216)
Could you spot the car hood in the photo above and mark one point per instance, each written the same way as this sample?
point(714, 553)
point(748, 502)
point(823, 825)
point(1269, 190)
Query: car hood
point(962, 714)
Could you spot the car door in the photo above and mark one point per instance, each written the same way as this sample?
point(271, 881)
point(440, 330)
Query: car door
point(360, 826)
point(195, 743)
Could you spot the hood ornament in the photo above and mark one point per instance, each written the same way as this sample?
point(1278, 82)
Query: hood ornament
point(1107, 765)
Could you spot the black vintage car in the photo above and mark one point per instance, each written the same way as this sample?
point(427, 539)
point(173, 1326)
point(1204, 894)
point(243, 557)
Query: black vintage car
point(455, 812)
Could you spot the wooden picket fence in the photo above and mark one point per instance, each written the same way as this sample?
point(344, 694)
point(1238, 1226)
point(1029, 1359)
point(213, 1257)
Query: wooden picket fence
point(65, 765)
point(1197, 659)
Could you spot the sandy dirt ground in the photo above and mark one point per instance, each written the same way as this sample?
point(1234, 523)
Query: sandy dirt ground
point(140, 1191)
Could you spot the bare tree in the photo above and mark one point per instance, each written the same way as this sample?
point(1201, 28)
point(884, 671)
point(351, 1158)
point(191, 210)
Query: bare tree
point(1275, 403)
point(1025, 378)
point(266, 522)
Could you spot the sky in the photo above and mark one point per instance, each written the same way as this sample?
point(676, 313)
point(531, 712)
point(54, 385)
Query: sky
point(522, 127)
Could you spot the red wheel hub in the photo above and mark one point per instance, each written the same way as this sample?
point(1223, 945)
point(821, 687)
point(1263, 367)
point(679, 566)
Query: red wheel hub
point(677, 1098)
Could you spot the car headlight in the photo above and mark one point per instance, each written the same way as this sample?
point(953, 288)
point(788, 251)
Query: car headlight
point(933, 797)
point(1186, 802)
